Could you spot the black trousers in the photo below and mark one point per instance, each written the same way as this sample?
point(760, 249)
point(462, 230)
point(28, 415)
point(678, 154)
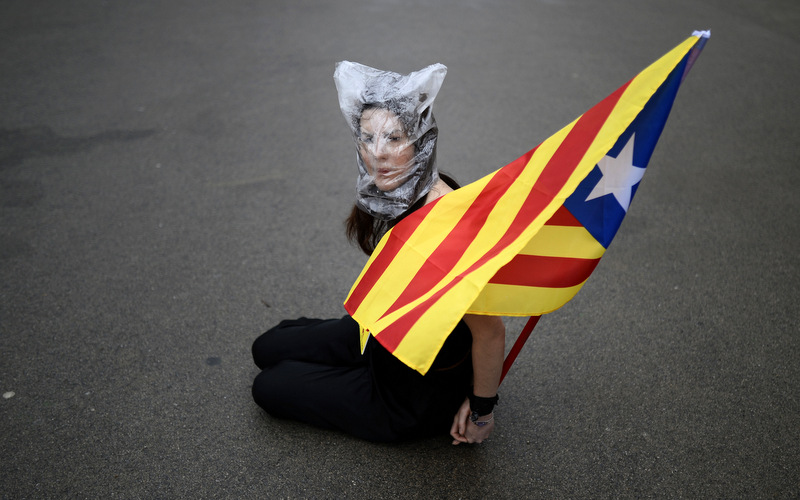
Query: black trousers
point(313, 371)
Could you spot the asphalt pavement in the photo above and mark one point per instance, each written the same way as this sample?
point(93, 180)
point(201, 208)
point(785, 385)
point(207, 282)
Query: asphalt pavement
point(173, 180)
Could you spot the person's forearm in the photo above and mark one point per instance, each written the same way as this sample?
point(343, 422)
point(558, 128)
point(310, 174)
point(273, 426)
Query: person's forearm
point(488, 347)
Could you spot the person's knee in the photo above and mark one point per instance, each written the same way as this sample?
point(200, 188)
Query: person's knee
point(264, 392)
point(261, 351)
point(254, 350)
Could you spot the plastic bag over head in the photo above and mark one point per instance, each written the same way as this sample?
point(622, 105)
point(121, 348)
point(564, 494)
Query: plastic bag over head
point(395, 134)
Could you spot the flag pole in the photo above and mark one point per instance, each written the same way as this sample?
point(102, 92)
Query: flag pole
point(517, 347)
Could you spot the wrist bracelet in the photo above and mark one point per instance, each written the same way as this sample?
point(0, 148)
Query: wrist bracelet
point(483, 406)
point(480, 423)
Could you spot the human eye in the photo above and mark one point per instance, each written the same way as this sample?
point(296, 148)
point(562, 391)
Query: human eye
point(366, 138)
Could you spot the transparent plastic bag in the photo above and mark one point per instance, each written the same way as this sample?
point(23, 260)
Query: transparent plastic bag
point(391, 118)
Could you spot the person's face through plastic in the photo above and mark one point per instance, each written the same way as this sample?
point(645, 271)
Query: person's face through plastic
point(387, 152)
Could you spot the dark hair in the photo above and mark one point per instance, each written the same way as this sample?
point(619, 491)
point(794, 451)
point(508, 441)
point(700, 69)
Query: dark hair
point(366, 231)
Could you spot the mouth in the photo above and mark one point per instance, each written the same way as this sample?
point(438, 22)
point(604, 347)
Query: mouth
point(385, 173)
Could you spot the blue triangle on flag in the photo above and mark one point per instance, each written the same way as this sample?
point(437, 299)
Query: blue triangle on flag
point(602, 216)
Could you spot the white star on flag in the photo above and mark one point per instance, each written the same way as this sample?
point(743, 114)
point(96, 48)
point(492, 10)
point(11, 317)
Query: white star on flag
point(619, 176)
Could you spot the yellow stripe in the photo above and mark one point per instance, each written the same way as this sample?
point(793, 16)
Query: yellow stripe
point(564, 241)
point(513, 300)
point(550, 241)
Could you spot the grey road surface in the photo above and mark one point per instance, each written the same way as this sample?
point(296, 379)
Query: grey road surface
point(173, 179)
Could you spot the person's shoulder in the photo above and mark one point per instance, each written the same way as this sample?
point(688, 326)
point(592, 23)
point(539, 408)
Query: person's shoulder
point(437, 191)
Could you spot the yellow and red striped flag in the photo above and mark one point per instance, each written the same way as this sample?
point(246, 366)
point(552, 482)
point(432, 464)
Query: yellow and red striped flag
point(524, 239)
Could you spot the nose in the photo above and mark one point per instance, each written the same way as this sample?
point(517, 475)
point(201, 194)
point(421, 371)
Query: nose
point(379, 149)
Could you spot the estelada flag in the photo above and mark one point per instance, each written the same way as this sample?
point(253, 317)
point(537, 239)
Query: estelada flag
point(524, 239)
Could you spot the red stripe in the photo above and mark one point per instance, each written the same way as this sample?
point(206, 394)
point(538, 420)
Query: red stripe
point(555, 174)
point(563, 217)
point(549, 272)
point(477, 212)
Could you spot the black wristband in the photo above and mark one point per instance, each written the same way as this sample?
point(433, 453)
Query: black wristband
point(482, 406)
